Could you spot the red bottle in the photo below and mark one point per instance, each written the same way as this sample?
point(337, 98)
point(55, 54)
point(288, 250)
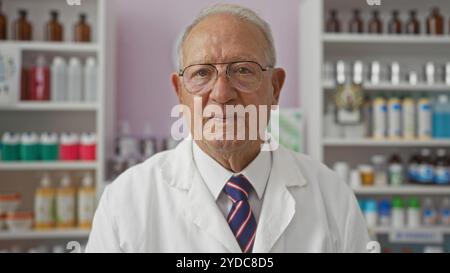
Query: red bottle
point(40, 81)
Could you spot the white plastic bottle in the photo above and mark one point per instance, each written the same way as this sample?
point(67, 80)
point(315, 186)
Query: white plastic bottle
point(86, 202)
point(408, 118)
point(398, 213)
point(74, 80)
point(90, 80)
point(44, 205)
point(59, 80)
point(394, 118)
point(379, 118)
point(424, 119)
point(429, 213)
point(65, 204)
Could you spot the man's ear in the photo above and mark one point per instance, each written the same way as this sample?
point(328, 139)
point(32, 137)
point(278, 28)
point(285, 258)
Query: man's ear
point(278, 77)
point(176, 83)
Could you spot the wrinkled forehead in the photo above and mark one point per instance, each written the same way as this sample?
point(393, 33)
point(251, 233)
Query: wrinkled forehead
point(224, 38)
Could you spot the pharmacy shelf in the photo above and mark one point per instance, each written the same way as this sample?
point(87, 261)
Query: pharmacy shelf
point(55, 46)
point(331, 86)
point(35, 166)
point(403, 190)
point(50, 106)
point(51, 234)
point(385, 230)
point(385, 143)
point(384, 39)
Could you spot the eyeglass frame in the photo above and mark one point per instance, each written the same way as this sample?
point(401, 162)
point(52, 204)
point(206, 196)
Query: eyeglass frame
point(182, 70)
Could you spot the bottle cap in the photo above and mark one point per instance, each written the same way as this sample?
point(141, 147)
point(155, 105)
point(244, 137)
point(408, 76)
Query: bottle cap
point(49, 138)
point(45, 181)
point(397, 203)
point(87, 181)
point(371, 205)
point(58, 60)
point(443, 99)
point(29, 138)
point(384, 206)
point(10, 138)
point(65, 181)
point(90, 61)
point(413, 203)
point(88, 139)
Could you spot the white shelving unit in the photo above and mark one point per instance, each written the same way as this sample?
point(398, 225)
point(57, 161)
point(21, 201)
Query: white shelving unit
point(318, 48)
point(59, 117)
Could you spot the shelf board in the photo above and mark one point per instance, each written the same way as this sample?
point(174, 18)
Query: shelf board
point(55, 46)
point(385, 39)
point(331, 86)
point(387, 229)
point(50, 106)
point(403, 190)
point(51, 234)
point(385, 143)
point(58, 165)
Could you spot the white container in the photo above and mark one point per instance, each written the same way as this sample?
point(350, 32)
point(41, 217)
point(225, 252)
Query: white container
point(395, 73)
point(90, 80)
point(445, 212)
point(424, 119)
point(429, 213)
point(19, 221)
point(86, 202)
point(413, 217)
point(355, 179)
point(398, 217)
point(394, 118)
point(65, 204)
point(74, 80)
point(59, 80)
point(379, 118)
point(408, 118)
point(430, 73)
point(447, 73)
point(342, 170)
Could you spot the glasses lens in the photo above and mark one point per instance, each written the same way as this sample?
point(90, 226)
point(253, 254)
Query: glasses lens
point(246, 76)
point(198, 77)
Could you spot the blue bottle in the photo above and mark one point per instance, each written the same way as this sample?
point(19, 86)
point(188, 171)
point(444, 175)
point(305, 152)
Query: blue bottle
point(441, 117)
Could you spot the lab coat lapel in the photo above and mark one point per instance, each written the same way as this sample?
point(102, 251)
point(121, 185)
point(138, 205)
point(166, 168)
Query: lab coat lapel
point(201, 209)
point(278, 206)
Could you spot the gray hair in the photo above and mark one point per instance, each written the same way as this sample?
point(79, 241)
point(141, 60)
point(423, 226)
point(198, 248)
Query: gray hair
point(240, 12)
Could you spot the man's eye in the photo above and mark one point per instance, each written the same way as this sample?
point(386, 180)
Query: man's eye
point(202, 73)
point(244, 70)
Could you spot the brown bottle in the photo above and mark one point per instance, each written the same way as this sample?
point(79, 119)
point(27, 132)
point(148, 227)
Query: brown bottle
point(22, 29)
point(333, 25)
point(375, 24)
point(3, 24)
point(413, 25)
point(435, 23)
point(356, 23)
point(54, 31)
point(82, 30)
point(395, 25)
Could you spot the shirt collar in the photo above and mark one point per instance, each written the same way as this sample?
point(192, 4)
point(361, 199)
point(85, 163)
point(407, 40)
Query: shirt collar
point(216, 176)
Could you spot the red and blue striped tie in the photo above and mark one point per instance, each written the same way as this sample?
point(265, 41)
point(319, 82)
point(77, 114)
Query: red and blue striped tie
point(240, 218)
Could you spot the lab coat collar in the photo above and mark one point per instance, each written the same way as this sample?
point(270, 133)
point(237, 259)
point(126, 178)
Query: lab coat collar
point(277, 210)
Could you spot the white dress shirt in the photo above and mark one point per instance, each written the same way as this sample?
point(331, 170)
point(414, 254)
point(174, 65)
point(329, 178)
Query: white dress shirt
point(216, 176)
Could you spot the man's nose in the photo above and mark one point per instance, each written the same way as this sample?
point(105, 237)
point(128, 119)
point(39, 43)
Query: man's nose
point(223, 91)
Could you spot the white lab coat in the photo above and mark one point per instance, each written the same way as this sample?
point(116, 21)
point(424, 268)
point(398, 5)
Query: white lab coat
point(163, 205)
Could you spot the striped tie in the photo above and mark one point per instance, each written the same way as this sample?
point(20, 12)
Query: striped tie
point(240, 218)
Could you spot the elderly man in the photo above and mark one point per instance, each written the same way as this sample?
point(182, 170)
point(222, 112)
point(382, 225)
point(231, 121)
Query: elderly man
point(225, 194)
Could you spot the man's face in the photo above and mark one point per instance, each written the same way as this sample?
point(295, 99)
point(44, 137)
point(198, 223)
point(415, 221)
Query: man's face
point(224, 38)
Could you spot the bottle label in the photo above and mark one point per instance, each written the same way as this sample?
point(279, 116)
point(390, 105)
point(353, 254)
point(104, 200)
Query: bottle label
point(425, 173)
point(445, 216)
point(413, 172)
point(86, 207)
point(429, 217)
point(66, 209)
point(44, 211)
point(442, 175)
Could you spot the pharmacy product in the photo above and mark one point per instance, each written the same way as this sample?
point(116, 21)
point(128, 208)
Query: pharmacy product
point(413, 213)
point(86, 202)
point(429, 212)
point(408, 118)
point(65, 204)
point(44, 205)
point(424, 119)
point(90, 80)
point(398, 213)
point(59, 90)
point(74, 80)
point(394, 118)
point(379, 118)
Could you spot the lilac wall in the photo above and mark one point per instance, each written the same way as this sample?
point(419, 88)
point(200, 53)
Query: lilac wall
point(147, 31)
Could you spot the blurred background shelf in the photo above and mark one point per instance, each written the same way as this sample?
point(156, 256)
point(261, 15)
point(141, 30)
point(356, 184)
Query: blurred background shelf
point(51, 234)
point(69, 47)
point(383, 230)
point(33, 166)
point(330, 86)
point(384, 39)
point(403, 190)
point(51, 106)
point(386, 143)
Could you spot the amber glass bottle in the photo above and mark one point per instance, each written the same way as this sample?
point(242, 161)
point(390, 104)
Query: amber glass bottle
point(435, 23)
point(82, 30)
point(375, 24)
point(413, 25)
point(54, 31)
point(3, 24)
point(22, 29)
point(356, 23)
point(395, 25)
point(333, 25)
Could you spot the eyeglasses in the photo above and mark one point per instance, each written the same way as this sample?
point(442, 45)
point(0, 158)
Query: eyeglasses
point(246, 76)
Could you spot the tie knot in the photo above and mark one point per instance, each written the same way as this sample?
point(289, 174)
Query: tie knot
point(238, 188)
